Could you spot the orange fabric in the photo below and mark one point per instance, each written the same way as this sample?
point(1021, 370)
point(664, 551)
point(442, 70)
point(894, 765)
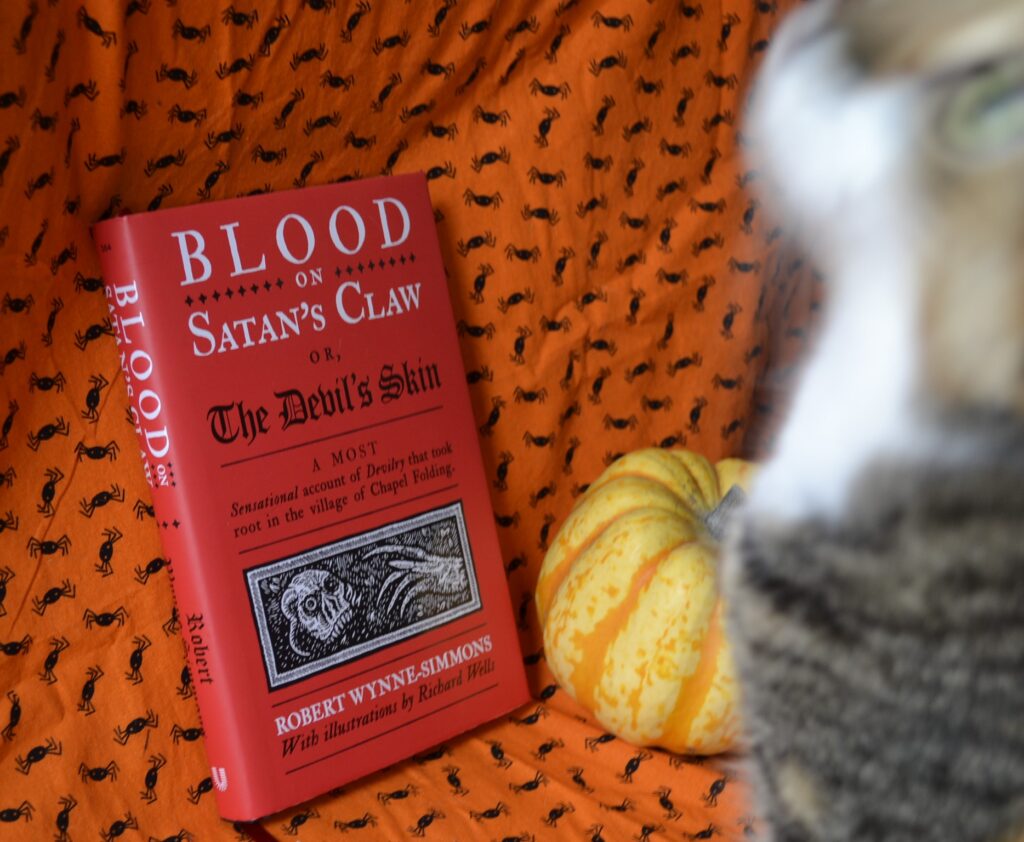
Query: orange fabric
point(613, 285)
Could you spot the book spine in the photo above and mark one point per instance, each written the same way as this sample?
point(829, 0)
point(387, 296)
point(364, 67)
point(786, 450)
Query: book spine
point(146, 377)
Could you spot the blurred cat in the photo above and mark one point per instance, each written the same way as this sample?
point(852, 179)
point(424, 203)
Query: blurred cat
point(875, 580)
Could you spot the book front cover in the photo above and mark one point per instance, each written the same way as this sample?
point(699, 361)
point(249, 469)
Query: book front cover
point(304, 422)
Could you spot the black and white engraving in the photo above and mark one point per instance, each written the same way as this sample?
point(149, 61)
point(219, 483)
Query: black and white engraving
point(340, 601)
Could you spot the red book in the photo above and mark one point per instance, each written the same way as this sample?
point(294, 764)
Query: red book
point(305, 426)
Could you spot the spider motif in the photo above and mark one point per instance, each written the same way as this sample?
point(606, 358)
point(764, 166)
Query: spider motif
point(16, 305)
point(119, 827)
point(97, 451)
point(107, 37)
point(398, 794)
point(15, 353)
point(177, 74)
point(15, 716)
point(16, 647)
point(490, 117)
point(105, 618)
point(122, 735)
point(153, 566)
point(529, 786)
point(499, 809)
point(562, 91)
point(401, 40)
point(67, 804)
point(189, 735)
point(92, 398)
point(154, 164)
point(98, 773)
point(333, 119)
point(93, 332)
point(89, 690)
point(12, 814)
point(298, 820)
point(365, 820)
point(190, 33)
point(198, 791)
point(9, 520)
point(45, 383)
point(183, 115)
point(157, 762)
point(49, 490)
point(106, 553)
point(40, 604)
point(41, 548)
point(58, 428)
point(87, 507)
point(134, 675)
point(246, 19)
point(35, 754)
point(94, 162)
point(6, 574)
point(59, 645)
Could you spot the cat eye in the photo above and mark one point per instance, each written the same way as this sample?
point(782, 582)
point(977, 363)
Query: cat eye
point(981, 117)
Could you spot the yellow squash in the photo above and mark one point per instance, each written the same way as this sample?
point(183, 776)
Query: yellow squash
point(628, 600)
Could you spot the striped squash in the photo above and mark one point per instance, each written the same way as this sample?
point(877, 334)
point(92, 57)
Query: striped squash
point(628, 600)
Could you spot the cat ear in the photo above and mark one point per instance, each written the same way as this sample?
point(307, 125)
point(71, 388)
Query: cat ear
point(980, 118)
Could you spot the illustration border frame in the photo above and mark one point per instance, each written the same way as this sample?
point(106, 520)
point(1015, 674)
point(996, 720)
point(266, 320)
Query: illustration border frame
point(253, 575)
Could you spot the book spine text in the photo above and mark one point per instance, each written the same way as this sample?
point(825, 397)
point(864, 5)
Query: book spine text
point(145, 373)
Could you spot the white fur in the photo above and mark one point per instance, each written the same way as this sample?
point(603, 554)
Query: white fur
point(836, 153)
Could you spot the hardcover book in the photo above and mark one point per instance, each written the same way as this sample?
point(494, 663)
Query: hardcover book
point(304, 422)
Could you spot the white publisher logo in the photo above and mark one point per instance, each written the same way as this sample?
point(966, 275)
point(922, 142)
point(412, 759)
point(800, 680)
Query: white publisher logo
point(220, 777)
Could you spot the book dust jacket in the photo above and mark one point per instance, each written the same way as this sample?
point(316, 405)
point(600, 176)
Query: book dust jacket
point(304, 423)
